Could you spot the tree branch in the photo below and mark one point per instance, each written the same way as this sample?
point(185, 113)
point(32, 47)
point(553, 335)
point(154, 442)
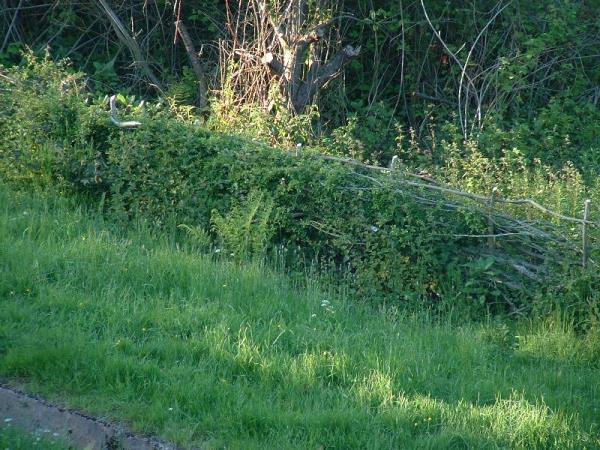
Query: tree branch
point(130, 43)
point(319, 75)
point(277, 28)
point(296, 17)
point(273, 63)
point(191, 52)
point(335, 64)
point(9, 32)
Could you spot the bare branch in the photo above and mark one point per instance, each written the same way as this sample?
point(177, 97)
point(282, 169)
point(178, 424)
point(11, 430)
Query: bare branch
point(191, 51)
point(463, 73)
point(9, 32)
point(318, 76)
point(455, 58)
point(130, 43)
point(277, 28)
point(335, 64)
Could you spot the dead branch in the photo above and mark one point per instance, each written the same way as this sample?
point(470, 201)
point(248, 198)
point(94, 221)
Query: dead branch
point(11, 27)
point(130, 43)
point(319, 76)
point(193, 56)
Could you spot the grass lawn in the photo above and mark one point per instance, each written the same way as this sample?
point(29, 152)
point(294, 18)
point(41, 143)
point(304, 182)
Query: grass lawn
point(128, 326)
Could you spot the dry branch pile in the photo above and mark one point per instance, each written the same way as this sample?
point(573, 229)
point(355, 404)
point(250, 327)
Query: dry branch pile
point(525, 244)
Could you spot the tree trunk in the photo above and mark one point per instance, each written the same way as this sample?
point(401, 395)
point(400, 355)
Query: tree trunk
point(181, 30)
point(300, 82)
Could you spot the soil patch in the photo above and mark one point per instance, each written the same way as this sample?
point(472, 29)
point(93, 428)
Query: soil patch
point(36, 416)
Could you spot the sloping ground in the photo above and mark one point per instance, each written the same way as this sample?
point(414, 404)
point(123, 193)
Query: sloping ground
point(135, 327)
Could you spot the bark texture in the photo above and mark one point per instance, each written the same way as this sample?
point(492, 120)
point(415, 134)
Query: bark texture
point(182, 31)
point(293, 58)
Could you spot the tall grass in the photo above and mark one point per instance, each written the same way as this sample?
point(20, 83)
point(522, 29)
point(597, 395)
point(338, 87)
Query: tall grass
point(133, 326)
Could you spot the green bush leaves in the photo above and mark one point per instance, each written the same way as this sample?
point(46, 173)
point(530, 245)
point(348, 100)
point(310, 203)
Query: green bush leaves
point(391, 244)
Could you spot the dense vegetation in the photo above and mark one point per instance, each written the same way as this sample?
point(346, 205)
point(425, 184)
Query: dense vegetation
point(501, 75)
point(433, 164)
point(134, 325)
point(391, 242)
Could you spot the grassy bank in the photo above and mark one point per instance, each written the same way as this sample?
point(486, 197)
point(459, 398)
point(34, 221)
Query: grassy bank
point(133, 327)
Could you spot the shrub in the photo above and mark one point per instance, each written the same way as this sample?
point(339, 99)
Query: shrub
point(390, 241)
point(48, 132)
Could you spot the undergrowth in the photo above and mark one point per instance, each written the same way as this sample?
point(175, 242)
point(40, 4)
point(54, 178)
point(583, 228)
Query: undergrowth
point(388, 245)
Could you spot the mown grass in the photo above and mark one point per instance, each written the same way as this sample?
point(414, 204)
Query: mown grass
point(130, 326)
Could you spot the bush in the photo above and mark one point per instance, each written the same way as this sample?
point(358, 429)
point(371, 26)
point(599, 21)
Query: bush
point(391, 244)
point(48, 132)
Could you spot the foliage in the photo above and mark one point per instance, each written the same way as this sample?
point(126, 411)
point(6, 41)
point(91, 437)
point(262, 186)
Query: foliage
point(277, 126)
point(369, 135)
point(245, 230)
point(561, 190)
point(388, 245)
point(530, 78)
point(48, 129)
point(130, 325)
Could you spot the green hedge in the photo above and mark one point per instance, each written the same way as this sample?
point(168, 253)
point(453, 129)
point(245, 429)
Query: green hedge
point(248, 197)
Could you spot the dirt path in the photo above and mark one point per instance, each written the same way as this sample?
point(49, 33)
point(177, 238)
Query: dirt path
point(36, 416)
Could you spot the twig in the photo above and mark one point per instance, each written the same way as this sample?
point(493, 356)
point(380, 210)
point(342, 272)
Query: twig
point(439, 187)
point(7, 78)
point(478, 236)
point(12, 25)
